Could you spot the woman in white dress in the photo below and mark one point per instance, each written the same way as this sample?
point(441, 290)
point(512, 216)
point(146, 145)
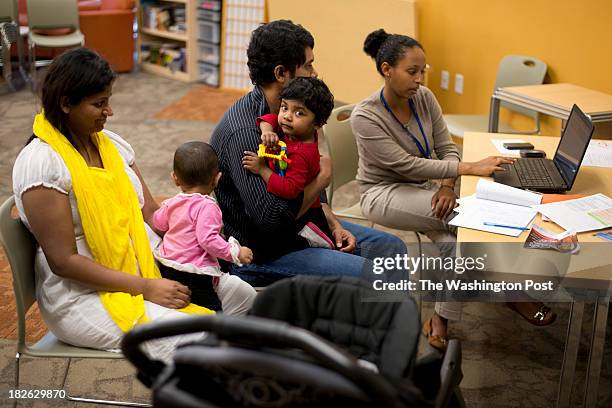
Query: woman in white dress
point(78, 190)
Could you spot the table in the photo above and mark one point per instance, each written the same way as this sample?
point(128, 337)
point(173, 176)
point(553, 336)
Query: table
point(554, 100)
point(589, 271)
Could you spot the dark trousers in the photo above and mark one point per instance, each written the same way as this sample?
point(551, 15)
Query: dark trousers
point(201, 286)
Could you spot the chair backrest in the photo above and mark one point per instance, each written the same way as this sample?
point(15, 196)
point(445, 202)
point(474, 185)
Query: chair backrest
point(20, 248)
point(9, 8)
point(519, 70)
point(342, 148)
point(44, 14)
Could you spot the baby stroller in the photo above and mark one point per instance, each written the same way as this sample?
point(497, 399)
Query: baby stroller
point(308, 342)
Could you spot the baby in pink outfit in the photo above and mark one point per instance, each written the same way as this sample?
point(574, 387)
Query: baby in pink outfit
point(192, 242)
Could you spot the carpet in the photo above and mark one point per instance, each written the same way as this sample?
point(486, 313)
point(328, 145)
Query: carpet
point(202, 103)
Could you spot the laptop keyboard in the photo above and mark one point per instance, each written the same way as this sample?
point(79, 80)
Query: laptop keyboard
point(533, 173)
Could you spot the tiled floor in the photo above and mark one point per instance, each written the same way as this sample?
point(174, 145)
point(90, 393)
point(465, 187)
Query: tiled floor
point(506, 362)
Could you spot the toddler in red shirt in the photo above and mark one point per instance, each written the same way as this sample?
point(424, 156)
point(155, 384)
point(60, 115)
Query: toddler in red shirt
point(306, 104)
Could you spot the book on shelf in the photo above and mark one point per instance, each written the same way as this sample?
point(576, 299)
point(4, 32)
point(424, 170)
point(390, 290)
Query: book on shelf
point(167, 17)
point(169, 55)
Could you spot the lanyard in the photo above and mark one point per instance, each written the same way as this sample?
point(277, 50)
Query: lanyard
point(424, 151)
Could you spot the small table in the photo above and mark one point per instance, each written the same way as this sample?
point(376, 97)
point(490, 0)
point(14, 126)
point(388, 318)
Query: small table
point(586, 271)
point(554, 100)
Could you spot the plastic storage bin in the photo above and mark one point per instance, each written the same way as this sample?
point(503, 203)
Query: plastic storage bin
point(213, 5)
point(208, 52)
point(209, 15)
point(208, 74)
point(209, 31)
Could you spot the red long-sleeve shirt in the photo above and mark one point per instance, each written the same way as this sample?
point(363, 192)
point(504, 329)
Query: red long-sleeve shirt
point(303, 168)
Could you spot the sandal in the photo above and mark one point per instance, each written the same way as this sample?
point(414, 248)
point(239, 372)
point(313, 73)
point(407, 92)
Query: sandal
point(544, 316)
point(435, 341)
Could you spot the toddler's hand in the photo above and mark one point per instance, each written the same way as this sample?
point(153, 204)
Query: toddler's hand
point(269, 138)
point(245, 255)
point(252, 162)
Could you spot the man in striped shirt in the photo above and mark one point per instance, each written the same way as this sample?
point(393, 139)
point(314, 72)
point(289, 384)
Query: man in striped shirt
point(278, 52)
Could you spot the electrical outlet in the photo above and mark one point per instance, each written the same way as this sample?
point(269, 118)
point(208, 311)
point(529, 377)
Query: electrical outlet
point(444, 78)
point(459, 83)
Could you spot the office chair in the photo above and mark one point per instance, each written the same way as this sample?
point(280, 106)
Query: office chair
point(9, 34)
point(45, 15)
point(345, 160)
point(514, 70)
point(20, 248)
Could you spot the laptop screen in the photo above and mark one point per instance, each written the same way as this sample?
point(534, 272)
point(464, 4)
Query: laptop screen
point(572, 147)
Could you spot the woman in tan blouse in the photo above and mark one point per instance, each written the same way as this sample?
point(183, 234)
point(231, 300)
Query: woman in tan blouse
point(408, 163)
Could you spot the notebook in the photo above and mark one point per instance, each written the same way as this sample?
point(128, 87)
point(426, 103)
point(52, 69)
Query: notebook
point(496, 204)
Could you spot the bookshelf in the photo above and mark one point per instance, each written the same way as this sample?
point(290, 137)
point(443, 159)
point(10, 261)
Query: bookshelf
point(168, 38)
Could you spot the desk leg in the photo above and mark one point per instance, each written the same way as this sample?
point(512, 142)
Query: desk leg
point(570, 355)
point(598, 337)
point(494, 115)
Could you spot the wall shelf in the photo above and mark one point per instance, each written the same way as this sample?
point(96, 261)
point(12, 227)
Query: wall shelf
point(164, 71)
point(165, 34)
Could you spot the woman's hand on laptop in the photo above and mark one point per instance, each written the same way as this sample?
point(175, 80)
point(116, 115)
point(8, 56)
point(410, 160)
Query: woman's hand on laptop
point(484, 167)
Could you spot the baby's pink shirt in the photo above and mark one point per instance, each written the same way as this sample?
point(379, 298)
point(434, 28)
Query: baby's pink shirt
point(192, 223)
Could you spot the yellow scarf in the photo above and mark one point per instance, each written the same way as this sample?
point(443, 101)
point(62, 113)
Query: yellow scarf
point(112, 220)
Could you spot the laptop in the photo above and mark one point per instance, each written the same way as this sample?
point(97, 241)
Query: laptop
point(556, 175)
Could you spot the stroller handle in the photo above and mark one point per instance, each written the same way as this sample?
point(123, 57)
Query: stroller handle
point(258, 331)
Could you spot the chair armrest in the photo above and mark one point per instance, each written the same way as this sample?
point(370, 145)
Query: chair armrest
point(89, 5)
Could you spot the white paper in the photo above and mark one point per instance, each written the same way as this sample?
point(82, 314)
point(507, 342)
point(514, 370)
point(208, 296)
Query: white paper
point(499, 145)
point(598, 154)
point(473, 212)
point(574, 214)
point(499, 204)
point(490, 190)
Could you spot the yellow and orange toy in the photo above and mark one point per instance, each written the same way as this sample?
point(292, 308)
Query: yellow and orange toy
point(277, 157)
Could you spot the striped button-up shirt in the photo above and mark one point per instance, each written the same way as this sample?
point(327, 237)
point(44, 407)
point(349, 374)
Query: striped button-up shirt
point(258, 219)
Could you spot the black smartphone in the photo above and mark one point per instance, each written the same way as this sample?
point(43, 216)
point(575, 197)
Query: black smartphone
point(533, 153)
point(518, 146)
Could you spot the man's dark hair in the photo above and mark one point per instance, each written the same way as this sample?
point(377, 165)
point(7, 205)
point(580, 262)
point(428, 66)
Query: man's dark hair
point(279, 42)
point(195, 163)
point(389, 48)
point(75, 75)
point(313, 93)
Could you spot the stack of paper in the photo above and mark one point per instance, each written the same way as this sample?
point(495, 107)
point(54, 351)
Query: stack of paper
point(508, 208)
point(579, 215)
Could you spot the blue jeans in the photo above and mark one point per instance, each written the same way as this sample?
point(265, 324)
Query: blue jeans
point(371, 244)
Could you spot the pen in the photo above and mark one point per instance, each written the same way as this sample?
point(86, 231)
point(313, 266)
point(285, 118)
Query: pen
point(492, 224)
point(604, 235)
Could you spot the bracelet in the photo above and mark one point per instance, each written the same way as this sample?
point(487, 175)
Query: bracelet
point(443, 185)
